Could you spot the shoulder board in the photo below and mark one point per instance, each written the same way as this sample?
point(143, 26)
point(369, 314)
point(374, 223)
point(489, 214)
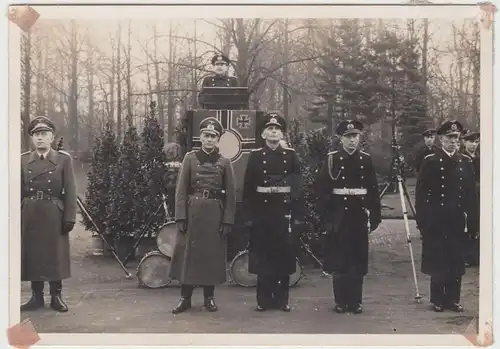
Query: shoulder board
point(64, 152)
point(362, 152)
point(286, 148)
point(259, 149)
point(26, 153)
point(191, 152)
point(429, 155)
point(467, 157)
point(333, 152)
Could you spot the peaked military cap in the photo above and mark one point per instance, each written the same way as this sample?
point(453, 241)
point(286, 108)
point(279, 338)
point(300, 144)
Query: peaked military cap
point(349, 126)
point(40, 123)
point(211, 125)
point(468, 135)
point(429, 132)
point(452, 127)
point(220, 59)
point(275, 119)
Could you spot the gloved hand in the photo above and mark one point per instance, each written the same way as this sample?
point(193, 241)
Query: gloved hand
point(225, 230)
point(182, 227)
point(67, 227)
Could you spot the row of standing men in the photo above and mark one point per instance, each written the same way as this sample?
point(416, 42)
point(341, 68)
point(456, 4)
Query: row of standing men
point(347, 189)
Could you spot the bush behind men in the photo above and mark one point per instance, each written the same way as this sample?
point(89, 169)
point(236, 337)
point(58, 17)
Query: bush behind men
point(48, 214)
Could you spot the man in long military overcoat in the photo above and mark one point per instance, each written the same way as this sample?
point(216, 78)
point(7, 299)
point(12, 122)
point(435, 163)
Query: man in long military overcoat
point(48, 214)
point(350, 208)
point(275, 212)
point(446, 205)
point(425, 149)
point(470, 142)
point(205, 205)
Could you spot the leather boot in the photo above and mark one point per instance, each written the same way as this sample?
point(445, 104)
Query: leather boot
point(36, 301)
point(56, 301)
point(183, 305)
point(210, 304)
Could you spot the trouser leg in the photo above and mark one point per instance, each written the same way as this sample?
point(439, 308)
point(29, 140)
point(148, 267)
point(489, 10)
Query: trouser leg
point(282, 290)
point(437, 291)
point(37, 287)
point(187, 291)
point(453, 288)
point(339, 289)
point(354, 290)
point(265, 287)
point(55, 287)
point(209, 291)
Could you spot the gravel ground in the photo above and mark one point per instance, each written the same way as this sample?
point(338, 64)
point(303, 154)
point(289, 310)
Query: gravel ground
point(101, 300)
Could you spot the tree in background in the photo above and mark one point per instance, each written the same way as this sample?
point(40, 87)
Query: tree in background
point(124, 217)
point(153, 160)
point(98, 196)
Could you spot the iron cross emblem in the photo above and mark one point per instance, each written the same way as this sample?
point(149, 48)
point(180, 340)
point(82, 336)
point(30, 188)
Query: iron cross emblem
point(243, 121)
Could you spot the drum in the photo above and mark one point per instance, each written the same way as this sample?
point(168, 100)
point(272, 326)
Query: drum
point(165, 238)
point(153, 270)
point(239, 271)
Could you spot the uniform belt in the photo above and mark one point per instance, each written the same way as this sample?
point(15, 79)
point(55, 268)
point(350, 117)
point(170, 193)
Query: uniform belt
point(272, 190)
point(40, 195)
point(350, 191)
point(209, 194)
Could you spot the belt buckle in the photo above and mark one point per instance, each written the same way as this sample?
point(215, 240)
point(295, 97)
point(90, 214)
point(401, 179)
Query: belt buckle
point(350, 191)
point(205, 194)
point(39, 195)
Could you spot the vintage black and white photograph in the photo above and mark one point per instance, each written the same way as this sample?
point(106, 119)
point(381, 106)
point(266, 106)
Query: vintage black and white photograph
point(253, 175)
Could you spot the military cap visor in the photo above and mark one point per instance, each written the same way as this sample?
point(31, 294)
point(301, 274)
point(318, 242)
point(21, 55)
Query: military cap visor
point(211, 125)
point(449, 128)
point(40, 124)
point(220, 59)
point(429, 132)
point(470, 136)
point(349, 127)
point(274, 119)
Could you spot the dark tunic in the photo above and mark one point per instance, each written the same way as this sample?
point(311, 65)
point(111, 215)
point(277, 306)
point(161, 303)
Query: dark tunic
point(45, 251)
point(421, 152)
point(199, 256)
point(345, 215)
point(219, 81)
point(445, 193)
point(273, 248)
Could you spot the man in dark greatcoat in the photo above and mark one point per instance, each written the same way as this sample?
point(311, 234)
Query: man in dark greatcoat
point(470, 142)
point(205, 205)
point(425, 149)
point(349, 205)
point(220, 78)
point(48, 213)
point(272, 201)
point(446, 205)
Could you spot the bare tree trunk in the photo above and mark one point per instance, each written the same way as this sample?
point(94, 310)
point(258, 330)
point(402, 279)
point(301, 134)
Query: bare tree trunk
point(425, 41)
point(285, 74)
point(119, 86)
point(73, 100)
point(40, 103)
point(159, 96)
point(90, 87)
point(194, 77)
point(27, 88)
point(171, 102)
point(129, 73)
